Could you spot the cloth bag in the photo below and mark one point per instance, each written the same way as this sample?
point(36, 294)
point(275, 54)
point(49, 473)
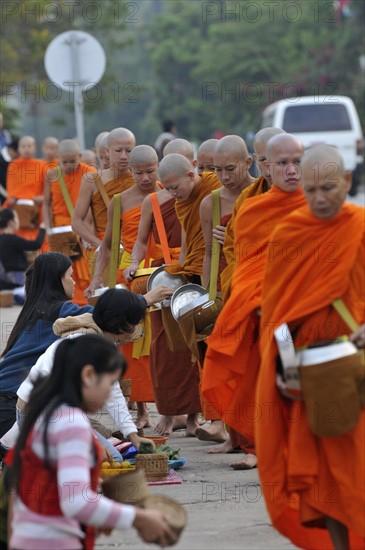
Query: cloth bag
point(330, 379)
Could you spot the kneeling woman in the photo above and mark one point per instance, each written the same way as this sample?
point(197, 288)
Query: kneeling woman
point(56, 459)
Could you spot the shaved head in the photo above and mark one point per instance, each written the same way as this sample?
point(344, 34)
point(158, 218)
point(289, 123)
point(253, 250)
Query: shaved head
point(69, 146)
point(181, 147)
point(175, 164)
point(261, 140)
point(325, 181)
point(206, 156)
point(264, 135)
point(208, 146)
point(143, 154)
point(98, 138)
point(323, 155)
point(177, 176)
point(283, 156)
point(232, 144)
point(28, 139)
point(120, 134)
point(51, 141)
point(103, 141)
point(280, 142)
point(26, 147)
point(89, 157)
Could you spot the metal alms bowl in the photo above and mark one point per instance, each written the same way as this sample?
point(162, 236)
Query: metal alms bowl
point(160, 277)
point(186, 298)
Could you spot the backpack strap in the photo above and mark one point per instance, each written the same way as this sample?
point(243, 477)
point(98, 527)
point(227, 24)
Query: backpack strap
point(64, 191)
point(115, 244)
point(101, 189)
point(345, 314)
point(161, 230)
point(216, 247)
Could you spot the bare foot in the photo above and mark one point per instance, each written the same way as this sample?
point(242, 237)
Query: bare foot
point(143, 420)
point(215, 432)
point(192, 425)
point(179, 422)
point(165, 425)
point(224, 448)
point(247, 463)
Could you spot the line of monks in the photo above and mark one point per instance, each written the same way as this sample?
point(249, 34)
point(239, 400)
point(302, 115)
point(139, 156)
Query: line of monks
point(288, 246)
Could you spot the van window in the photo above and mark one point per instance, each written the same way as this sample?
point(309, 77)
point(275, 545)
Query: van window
point(316, 118)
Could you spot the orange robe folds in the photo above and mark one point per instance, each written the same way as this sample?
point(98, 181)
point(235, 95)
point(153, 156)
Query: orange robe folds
point(259, 187)
point(232, 359)
point(303, 477)
point(138, 368)
point(98, 207)
point(188, 214)
point(175, 378)
point(61, 216)
point(25, 180)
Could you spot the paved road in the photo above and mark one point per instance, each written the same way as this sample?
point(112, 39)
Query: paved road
point(225, 508)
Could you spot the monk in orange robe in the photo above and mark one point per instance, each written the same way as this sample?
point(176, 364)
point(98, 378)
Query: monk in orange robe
point(189, 189)
point(115, 179)
point(174, 377)
point(232, 360)
point(261, 185)
point(50, 153)
point(55, 210)
point(144, 171)
point(310, 481)
point(25, 180)
point(232, 162)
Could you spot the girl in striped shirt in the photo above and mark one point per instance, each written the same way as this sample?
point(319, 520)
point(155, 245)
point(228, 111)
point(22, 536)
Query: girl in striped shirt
point(56, 460)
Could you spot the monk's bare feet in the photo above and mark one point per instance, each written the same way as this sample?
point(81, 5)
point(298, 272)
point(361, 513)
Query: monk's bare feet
point(224, 448)
point(143, 420)
point(248, 462)
point(165, 425)
point(192, 425)
point(179, 422)
point(215, 432)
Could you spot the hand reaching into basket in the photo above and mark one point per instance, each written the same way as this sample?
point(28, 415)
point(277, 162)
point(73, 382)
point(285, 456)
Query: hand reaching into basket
point(158, 294)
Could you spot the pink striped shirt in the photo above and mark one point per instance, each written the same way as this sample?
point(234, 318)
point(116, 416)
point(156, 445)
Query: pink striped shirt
point(70, 450)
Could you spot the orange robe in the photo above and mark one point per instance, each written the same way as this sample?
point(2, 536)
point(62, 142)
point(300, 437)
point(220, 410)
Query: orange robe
point(304, 477)
point(259, 187)
point(188, 214)
point(25, 180)
point(98, 207)
point(138, 369)
point(61, 216)
point(175, 378)
point(232, 359)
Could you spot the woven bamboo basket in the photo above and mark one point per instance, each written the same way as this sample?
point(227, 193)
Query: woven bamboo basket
point(174, 513)
point(155, 466)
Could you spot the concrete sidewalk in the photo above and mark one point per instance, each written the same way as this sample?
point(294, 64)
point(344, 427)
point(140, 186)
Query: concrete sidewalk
point(225, 508)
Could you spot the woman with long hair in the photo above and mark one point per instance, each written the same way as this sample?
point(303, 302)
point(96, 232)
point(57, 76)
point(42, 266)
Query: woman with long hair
point(49, 286)
point(56, 451)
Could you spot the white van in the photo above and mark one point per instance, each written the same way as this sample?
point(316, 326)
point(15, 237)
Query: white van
point(322, 119)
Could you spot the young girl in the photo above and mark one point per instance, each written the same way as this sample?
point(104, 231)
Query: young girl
point(55, 462)
point(50, 286)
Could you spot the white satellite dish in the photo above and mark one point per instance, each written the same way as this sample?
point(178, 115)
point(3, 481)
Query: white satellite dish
point(75, 61)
